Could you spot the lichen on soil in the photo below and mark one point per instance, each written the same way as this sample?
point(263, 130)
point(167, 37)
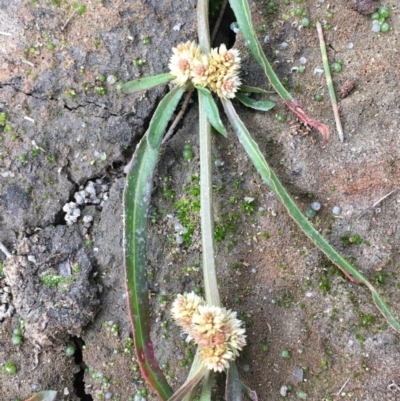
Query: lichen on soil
point(69, 129)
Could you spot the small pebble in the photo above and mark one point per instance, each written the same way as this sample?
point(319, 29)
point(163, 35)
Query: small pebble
point(318, 71)
point(32, 258)
point(253, 270)
point(376, 26)
point(246, 368)
point(179, 239)
point(298, 374)
point(87, 219)
point(316, 206)
point(337, 210)
point(219, 163)
point(107, 395)
point(176, 28)
point(178, 227)
point(266, 39)
point(111, 79)
point(283, 391)
point(235, 27)
point(303, 60)
point(350, 45)
point(284, 45)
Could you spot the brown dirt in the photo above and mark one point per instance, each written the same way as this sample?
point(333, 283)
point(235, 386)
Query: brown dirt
point(289, 296)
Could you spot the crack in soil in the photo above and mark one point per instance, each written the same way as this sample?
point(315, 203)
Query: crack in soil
point(79, 382)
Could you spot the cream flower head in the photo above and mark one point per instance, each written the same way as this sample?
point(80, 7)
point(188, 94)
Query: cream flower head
point(181, 62)
point(216, 358)
point(228, 58)
point(218, 333)
point(228, 85)
point(200, 71)
point(218, 72)
point(183, 309)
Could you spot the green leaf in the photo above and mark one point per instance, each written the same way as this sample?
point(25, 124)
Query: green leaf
point(263, 105)
point(48, 395)
point(206, 391)
point(253, 89)
point(137, 195)
point(273, 182)
point(146, 83)
point(212, 110)
point(233, 391)
point(189, 385)
point(242, 13)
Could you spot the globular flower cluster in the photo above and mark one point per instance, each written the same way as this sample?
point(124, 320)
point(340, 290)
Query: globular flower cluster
point(218, 333)
point(218, 72)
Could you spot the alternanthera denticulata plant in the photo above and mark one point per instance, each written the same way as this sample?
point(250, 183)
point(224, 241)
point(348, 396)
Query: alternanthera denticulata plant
point(210, 72)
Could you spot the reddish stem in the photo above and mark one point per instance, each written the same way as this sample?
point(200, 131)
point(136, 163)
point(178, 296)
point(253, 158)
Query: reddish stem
point(301, 113)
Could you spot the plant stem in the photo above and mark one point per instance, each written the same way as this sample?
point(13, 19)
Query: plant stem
point(329, 83)
point(206, 209)
point(203, 29)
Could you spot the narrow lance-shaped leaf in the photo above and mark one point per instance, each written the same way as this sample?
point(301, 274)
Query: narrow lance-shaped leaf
point(211, 110)
point(233, 390)
point(253, 89)
point(48, 395)
point(146, 83)
point(206, 391)
point(273, 182)
point(136, 205)
point(243, 17)
point(189, 385)
point(262, 105)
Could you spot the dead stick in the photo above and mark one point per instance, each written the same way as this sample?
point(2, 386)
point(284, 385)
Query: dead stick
point(178, 116)
point(328, 75)
point(5, 251)
point(219, 19)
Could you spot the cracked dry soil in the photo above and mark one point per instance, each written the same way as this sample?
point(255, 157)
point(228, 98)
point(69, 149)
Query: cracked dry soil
point(68, 130)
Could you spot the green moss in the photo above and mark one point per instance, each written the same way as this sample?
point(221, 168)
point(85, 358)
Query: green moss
point(61, 283)
point(366, 320)
point(286, 300)
point(360, 338)
point(379, 278)
point(188, 208)
point(351, 239)
point(324, 284)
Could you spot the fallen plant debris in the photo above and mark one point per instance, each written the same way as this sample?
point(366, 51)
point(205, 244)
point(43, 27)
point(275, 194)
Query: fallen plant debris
point(346, 88)
point(365, 7)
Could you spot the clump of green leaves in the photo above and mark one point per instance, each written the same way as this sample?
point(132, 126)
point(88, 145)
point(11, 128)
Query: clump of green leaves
point(351, 239)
